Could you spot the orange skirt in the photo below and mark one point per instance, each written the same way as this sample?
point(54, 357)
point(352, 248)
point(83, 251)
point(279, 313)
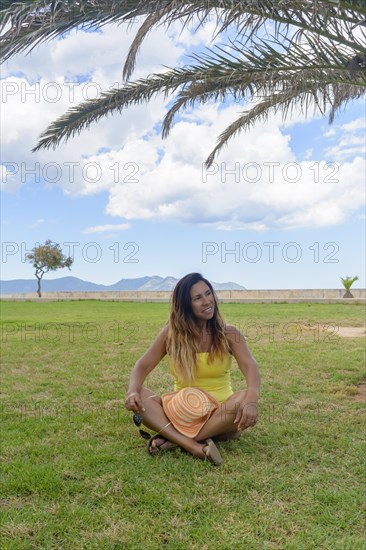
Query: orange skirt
point(189, 409)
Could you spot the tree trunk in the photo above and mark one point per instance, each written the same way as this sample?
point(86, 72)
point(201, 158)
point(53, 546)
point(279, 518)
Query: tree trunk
point(39, 287)
point(348, 294)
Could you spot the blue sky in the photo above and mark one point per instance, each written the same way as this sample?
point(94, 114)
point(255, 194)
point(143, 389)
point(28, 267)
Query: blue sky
point(283, 207)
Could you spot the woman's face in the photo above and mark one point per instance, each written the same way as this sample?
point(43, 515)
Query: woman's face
point(202, 301)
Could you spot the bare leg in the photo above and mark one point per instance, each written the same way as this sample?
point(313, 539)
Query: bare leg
point(154, 418)
point(221, 424)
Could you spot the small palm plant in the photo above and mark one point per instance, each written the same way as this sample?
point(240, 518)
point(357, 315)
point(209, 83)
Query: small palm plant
point(347, 283)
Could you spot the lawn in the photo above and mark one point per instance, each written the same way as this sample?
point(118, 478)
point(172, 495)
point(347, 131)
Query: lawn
point(75, 473)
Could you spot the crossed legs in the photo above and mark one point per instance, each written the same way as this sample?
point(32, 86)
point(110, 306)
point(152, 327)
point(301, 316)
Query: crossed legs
point(220, 425)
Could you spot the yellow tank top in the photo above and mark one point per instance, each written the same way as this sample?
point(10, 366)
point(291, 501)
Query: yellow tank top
point(212, 377)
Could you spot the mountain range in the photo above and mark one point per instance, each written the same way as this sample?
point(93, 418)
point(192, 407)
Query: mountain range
point(73, 284)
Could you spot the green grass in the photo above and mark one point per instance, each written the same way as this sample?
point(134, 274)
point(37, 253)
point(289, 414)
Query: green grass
point(76, 474)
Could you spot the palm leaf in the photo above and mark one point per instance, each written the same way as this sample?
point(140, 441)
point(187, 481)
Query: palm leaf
point(115, 100)
point(348, 282)
point(314, 60)
point(320, 18)
point(33, 22)
point(283, 79)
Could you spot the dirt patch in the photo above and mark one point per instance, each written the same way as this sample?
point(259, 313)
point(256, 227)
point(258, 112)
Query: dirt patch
point(347, 332)
point(360, 396)
point(334, 330)
point(351, 332)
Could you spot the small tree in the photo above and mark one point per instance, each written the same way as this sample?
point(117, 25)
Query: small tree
point(347, 282)
point(47, 257)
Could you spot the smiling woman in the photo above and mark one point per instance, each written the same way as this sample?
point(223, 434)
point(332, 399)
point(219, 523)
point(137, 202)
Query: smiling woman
point(203, 405)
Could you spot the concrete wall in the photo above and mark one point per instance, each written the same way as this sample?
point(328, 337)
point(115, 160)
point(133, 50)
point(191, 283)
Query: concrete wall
point(286, 295)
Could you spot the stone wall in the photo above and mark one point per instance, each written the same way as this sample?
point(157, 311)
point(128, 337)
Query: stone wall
point(285, 295)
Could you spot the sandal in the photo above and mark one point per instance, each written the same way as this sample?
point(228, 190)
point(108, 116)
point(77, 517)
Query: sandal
point(213, 454)
point(156, 449)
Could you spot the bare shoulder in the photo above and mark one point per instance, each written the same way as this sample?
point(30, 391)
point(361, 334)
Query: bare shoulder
point(238, 346)
point(163, 335)
point(157, 349)
point(233, 335)
point(231, 331)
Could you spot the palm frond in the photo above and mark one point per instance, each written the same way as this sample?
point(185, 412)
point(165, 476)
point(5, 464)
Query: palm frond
point(143, 31)
point(249, 75)
point(312, 58)
point(248, 17)
point(283, 79)
point(306, 99)
point(34, 22)
point(115, 100)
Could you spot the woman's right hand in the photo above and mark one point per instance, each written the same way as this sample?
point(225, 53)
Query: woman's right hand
point(133, 402)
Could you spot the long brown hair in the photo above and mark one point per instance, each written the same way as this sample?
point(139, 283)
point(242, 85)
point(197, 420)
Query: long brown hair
point(184, 332)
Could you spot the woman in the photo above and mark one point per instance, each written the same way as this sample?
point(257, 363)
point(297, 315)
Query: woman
point(200, 348)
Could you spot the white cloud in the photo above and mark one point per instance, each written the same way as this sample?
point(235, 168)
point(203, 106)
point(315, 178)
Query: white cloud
point(89, 53)
point(308, 154)
point(256, 182)
point(38, 222)
point(9, 181)
point(357, 124)
point(330, 133)
point(195, 33)
point(30, 102)
point(341, 151)
point(348, 139)
point(107, 227)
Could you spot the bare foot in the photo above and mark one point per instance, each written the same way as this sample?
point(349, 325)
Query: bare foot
point(159, 443)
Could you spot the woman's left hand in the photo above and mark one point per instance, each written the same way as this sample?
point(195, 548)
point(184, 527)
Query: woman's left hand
point(246, 411)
